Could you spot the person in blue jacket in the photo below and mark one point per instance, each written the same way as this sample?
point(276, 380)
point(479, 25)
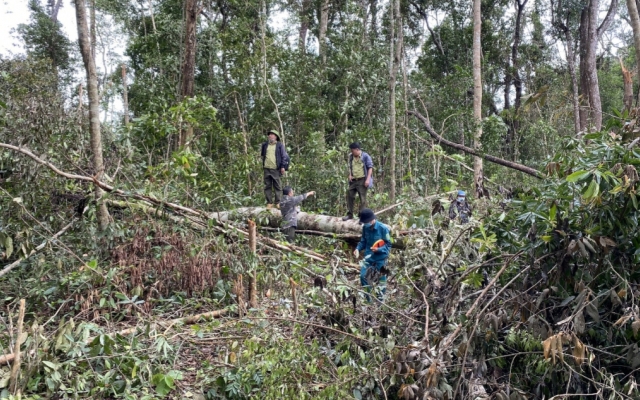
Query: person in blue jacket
point(376, 253)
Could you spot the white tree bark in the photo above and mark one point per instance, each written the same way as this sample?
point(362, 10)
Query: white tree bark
point(94, 111)
point(478, 173)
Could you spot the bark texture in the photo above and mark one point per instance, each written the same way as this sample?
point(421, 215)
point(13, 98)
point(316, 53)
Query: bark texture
point(188, 69)
point(635, 25)
point(394, 56)
point(478, 173)
point(94, 111)
point(322, 31)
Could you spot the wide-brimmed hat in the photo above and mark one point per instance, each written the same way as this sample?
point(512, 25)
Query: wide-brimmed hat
point(270, 131)
point(367, 215)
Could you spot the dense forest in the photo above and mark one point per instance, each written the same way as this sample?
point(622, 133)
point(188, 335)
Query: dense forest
point(141, 256)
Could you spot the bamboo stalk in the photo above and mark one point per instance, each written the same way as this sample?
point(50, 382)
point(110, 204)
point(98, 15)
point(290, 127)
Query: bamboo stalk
point(253, 290)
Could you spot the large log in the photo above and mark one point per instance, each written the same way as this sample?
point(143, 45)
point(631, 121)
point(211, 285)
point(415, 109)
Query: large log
point(273, 218)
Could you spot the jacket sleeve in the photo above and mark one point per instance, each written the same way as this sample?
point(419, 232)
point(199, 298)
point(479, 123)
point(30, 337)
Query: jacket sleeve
point(362, 243)
point(298, 199)
point(263, 152)
point(368, 162)
point(284, 158)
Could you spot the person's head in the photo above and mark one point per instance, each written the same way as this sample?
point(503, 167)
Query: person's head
point(367, 217)
point(461, 196)
point(287, 191)
point(355, 149)
point(273, 136)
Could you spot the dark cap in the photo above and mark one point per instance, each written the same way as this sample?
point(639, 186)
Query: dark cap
point(270, 131)
point(367, 215)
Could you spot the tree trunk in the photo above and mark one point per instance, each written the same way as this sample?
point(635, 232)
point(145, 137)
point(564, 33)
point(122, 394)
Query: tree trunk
point(512, 77)
point(635, 25)
point(92, 18)
point(394, 57)
point(591, 68)
point(590, 33)
point(125, 95)
point(94, 104)
point(188, 69)
point(478, 174)
point(304, 26)
point(322, 32)
point(571, 61)
point(253, 290)
point(627, 99)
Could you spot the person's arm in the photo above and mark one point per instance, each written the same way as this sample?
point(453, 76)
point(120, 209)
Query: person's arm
point(362, 243)
point(368, 163)
point(452, 211)
point(350, 167)
point(284, 159)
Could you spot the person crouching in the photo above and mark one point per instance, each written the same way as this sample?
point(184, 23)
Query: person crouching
point(289, 207)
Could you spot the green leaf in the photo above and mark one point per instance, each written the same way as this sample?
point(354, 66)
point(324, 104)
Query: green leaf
point(8, 245)
point(592, 190)
point(357, 394)
point(578, 176)
point(552, 212)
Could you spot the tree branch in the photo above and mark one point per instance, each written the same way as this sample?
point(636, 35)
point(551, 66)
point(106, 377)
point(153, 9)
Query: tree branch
point(490, 158)
point(613, 7)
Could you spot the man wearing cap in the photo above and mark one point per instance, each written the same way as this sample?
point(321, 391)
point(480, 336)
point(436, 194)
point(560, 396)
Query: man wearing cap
point(275, 161)
point(360, 178)
point(376, 244)
point(460, 207)
point(289, 207)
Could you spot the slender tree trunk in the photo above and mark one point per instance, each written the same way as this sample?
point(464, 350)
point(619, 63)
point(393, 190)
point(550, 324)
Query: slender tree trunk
point(253, 289)
point(188, 63)
point(322, 32)
point(304, 26)
point(478, 173)
point(513, 78)
point(125, 95)
point(93, 28)
point(394, 47)
point(635, 25)
point(571, 60)
point(592, 72)
point(584, 81)
point(94, 112)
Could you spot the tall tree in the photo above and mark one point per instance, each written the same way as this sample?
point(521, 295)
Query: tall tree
point(478, 173)
point(590, 34)
point(304, 25)
point(635, 25)
point(512, 77)
point(322, 30)
point(94, 104)
point(395, 22)
point(188, 69)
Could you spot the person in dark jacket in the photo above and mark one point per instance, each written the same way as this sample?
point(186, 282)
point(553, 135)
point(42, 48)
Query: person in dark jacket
point(275, 161)
point(376, 244)
point(290, 207)
point(360, 178)
point(460, 208)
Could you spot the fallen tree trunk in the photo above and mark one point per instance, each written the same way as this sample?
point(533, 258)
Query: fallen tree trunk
point(509, 164)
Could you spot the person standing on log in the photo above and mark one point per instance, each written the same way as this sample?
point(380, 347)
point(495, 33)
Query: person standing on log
point(376, 244)
point(460, 208)
point(360, 178)
point(275, 161)
point(290, 207)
